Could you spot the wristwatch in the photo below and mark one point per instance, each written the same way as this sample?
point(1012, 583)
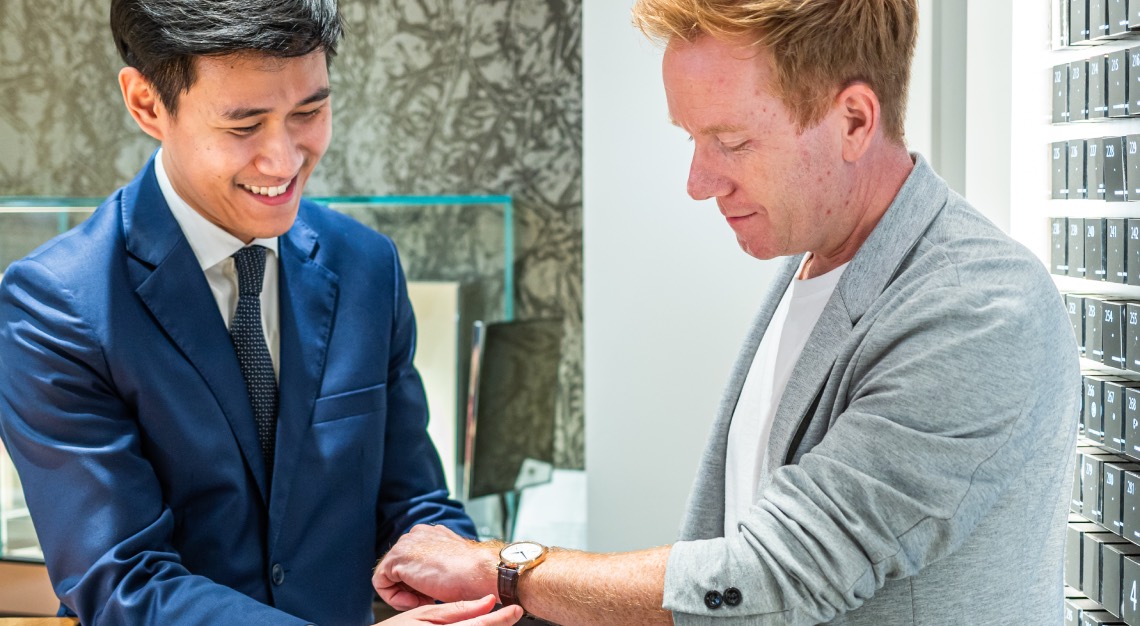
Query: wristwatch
point(514, 559)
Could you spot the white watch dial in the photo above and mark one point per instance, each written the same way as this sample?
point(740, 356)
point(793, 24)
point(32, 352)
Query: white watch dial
point(522, 552)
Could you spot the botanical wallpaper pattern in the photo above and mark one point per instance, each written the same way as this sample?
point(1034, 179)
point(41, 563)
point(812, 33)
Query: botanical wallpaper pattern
point(430, 97)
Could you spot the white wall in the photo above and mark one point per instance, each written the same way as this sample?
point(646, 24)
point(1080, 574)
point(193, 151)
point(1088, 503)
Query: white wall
point(668, 295)
point(947, 28)
point(920, 99)
point(989, 116)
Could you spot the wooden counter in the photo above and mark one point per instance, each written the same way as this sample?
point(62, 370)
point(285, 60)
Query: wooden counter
point(26, 590)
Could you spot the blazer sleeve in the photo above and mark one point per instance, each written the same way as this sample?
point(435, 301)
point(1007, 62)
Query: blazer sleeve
point(413, 489)
point(95, 500)
point(951, 392)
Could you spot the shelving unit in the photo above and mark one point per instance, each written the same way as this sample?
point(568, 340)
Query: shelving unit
point(1078, 150)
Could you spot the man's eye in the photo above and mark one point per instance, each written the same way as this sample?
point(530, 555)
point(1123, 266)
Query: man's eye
point(244, 130)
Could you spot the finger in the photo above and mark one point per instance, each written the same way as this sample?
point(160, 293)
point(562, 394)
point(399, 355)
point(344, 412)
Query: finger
point(399, 595)
point(402, 598)
point(503, 617)
point(381, 580)
point(453, 612)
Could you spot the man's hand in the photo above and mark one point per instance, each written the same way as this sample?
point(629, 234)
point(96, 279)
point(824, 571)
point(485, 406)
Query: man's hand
point(432, 563)
point(473, 613)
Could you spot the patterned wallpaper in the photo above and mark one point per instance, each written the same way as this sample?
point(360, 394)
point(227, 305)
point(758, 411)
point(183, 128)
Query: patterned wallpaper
point(430, 97)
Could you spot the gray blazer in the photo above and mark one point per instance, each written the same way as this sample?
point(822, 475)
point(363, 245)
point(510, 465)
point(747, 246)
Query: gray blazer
point(920, 459)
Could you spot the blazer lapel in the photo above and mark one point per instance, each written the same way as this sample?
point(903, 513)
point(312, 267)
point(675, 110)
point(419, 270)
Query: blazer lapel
point(171, 284)
point(808, 377)
point(308, 304)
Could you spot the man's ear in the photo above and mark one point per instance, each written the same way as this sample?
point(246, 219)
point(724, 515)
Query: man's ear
point(143, 102)
point(859, 109)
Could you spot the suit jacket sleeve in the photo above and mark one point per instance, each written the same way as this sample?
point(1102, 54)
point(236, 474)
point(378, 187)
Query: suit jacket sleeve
point(950, 393)
point(95, 500)
point(413, 490)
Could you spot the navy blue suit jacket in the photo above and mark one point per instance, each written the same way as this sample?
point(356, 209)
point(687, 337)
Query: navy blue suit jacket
point(125, 412)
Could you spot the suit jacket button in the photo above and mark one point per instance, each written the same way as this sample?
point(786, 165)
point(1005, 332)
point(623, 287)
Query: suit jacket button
point(732, 596)
point(713, 600)
point(277, 574)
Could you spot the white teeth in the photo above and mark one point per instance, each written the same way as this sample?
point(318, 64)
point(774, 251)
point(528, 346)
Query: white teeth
point(272, 192)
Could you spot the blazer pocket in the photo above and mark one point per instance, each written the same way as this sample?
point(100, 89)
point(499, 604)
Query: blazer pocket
point(351, 403)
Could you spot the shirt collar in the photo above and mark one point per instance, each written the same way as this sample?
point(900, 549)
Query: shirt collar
point(210, 243)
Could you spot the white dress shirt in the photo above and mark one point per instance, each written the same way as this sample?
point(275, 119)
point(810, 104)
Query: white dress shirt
point(214, 249)
point(779, 350)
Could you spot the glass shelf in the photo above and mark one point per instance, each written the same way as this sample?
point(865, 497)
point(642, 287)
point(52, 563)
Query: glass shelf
point(460, 246)
point(25, 220)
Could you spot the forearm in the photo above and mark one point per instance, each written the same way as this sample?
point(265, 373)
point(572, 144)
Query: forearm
point(572, 588)
point(582, 589)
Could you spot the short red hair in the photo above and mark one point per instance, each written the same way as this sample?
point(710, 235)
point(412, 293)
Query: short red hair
point(818, 47)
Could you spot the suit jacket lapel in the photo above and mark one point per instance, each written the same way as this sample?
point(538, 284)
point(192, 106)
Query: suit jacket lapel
point(308, 304)
point(806, 382)
point(171, 284)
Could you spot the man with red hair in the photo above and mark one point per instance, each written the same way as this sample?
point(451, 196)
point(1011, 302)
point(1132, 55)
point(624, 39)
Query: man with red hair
point(896, 440)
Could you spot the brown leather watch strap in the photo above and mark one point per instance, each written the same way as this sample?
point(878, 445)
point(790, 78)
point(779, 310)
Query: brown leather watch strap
point(508, 585)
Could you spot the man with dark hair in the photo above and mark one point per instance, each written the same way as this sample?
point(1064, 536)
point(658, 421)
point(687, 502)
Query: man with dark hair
point(896, 440)
point(207, 387)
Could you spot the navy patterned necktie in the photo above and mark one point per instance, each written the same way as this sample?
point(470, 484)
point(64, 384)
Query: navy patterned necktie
point(252, 352)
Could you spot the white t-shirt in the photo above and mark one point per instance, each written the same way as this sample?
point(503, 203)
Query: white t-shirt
point(780, 348)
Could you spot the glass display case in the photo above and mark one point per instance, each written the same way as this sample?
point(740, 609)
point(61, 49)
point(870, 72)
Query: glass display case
point(457, 252)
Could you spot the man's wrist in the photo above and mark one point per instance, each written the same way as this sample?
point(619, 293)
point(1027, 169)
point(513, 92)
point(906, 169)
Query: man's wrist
point(525, 578)
point(488, 582)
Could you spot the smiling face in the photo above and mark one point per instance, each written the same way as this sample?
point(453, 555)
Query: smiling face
point(780, 189)
point(246, 138)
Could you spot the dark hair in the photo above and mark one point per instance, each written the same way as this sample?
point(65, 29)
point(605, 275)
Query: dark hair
point(162, 38)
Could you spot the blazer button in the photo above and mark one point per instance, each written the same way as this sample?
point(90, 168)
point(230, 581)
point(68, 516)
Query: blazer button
point(277, 574)
point(713, 600)
point(732, 596)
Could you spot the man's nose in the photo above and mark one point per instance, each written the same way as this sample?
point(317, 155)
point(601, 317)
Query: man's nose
point(280, 155)
point(704, 183)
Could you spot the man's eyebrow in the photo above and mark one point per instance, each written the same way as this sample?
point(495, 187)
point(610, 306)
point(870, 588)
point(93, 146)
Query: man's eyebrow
point(237, 114)
point(715, 129)
point(318, 95)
